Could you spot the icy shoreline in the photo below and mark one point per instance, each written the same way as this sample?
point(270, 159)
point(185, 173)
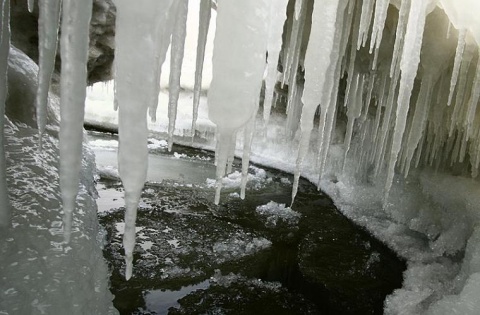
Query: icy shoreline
point(426, 221)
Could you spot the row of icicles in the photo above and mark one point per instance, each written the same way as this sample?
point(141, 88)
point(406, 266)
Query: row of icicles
point(400, 118)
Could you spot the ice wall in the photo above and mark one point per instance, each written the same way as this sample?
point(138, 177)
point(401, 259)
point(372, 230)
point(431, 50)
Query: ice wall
point(403, 80)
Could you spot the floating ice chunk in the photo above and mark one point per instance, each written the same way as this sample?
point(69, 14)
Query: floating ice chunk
point(275, 212)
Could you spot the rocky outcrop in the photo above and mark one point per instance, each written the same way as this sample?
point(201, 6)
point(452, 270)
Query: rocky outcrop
point(102, 37)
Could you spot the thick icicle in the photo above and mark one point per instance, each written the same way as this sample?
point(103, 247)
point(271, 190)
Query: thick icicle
point(329, 98)
point(48, 23)
point(204, 23)
point(457, 63)
point(176, 60)
point(73, 83)
point(408, 65)
point(4, 49)
point(317, 62)
point(238, 68)
point(277, 19)
point(136, 26)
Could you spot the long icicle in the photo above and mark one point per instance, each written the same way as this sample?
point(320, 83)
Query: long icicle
point(133, 99)
point(176, 61)
point(164, 30)
point(232, 102)
point(277, 19)
point(458, 60)
point(48, 23)
point(4, 49)
point(317, 62)
point(408, 65)
point(204, 23)
point(73, 84)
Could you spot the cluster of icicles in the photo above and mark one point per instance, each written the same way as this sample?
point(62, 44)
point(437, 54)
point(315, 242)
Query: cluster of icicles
point(402, 116)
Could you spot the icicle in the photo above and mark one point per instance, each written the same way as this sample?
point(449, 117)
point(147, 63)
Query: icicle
point(317, 62)
point(449, 29)
point(4, 50)
point(354, 111)
point(473, 103)
point(378, 113)
point(366, 19)
point(177, 52)
point(381, 8)
point(163, 30)
point(248, 137)
point(231, 154)
point(458, 61)
point(73, 84)
point(48, 23)
point(136, 26)
point(238, 68)
point(295, 44)
point(399, 35)
point(419, 121)
point(353, 51)
point(409, 65)
point(330, 92)
point(204, 23)
point(387, 118)
point(461, 87)
point(277, 19)
point(31, 5)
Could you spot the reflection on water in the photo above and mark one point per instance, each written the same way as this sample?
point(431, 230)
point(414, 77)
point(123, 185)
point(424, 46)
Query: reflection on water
point(161, 300)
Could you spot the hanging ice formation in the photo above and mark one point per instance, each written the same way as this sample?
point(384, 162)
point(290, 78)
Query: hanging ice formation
point(238, 68)
point(134, 99)
point(409, 95)
point(48, 23)
point(204, 23)
point(176, 60)
point(73, 83)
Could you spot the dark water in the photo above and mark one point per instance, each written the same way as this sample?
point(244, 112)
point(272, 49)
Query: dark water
point(193, 257)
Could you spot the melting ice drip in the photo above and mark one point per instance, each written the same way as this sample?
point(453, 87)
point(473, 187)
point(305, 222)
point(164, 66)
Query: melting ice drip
point(413, 103)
